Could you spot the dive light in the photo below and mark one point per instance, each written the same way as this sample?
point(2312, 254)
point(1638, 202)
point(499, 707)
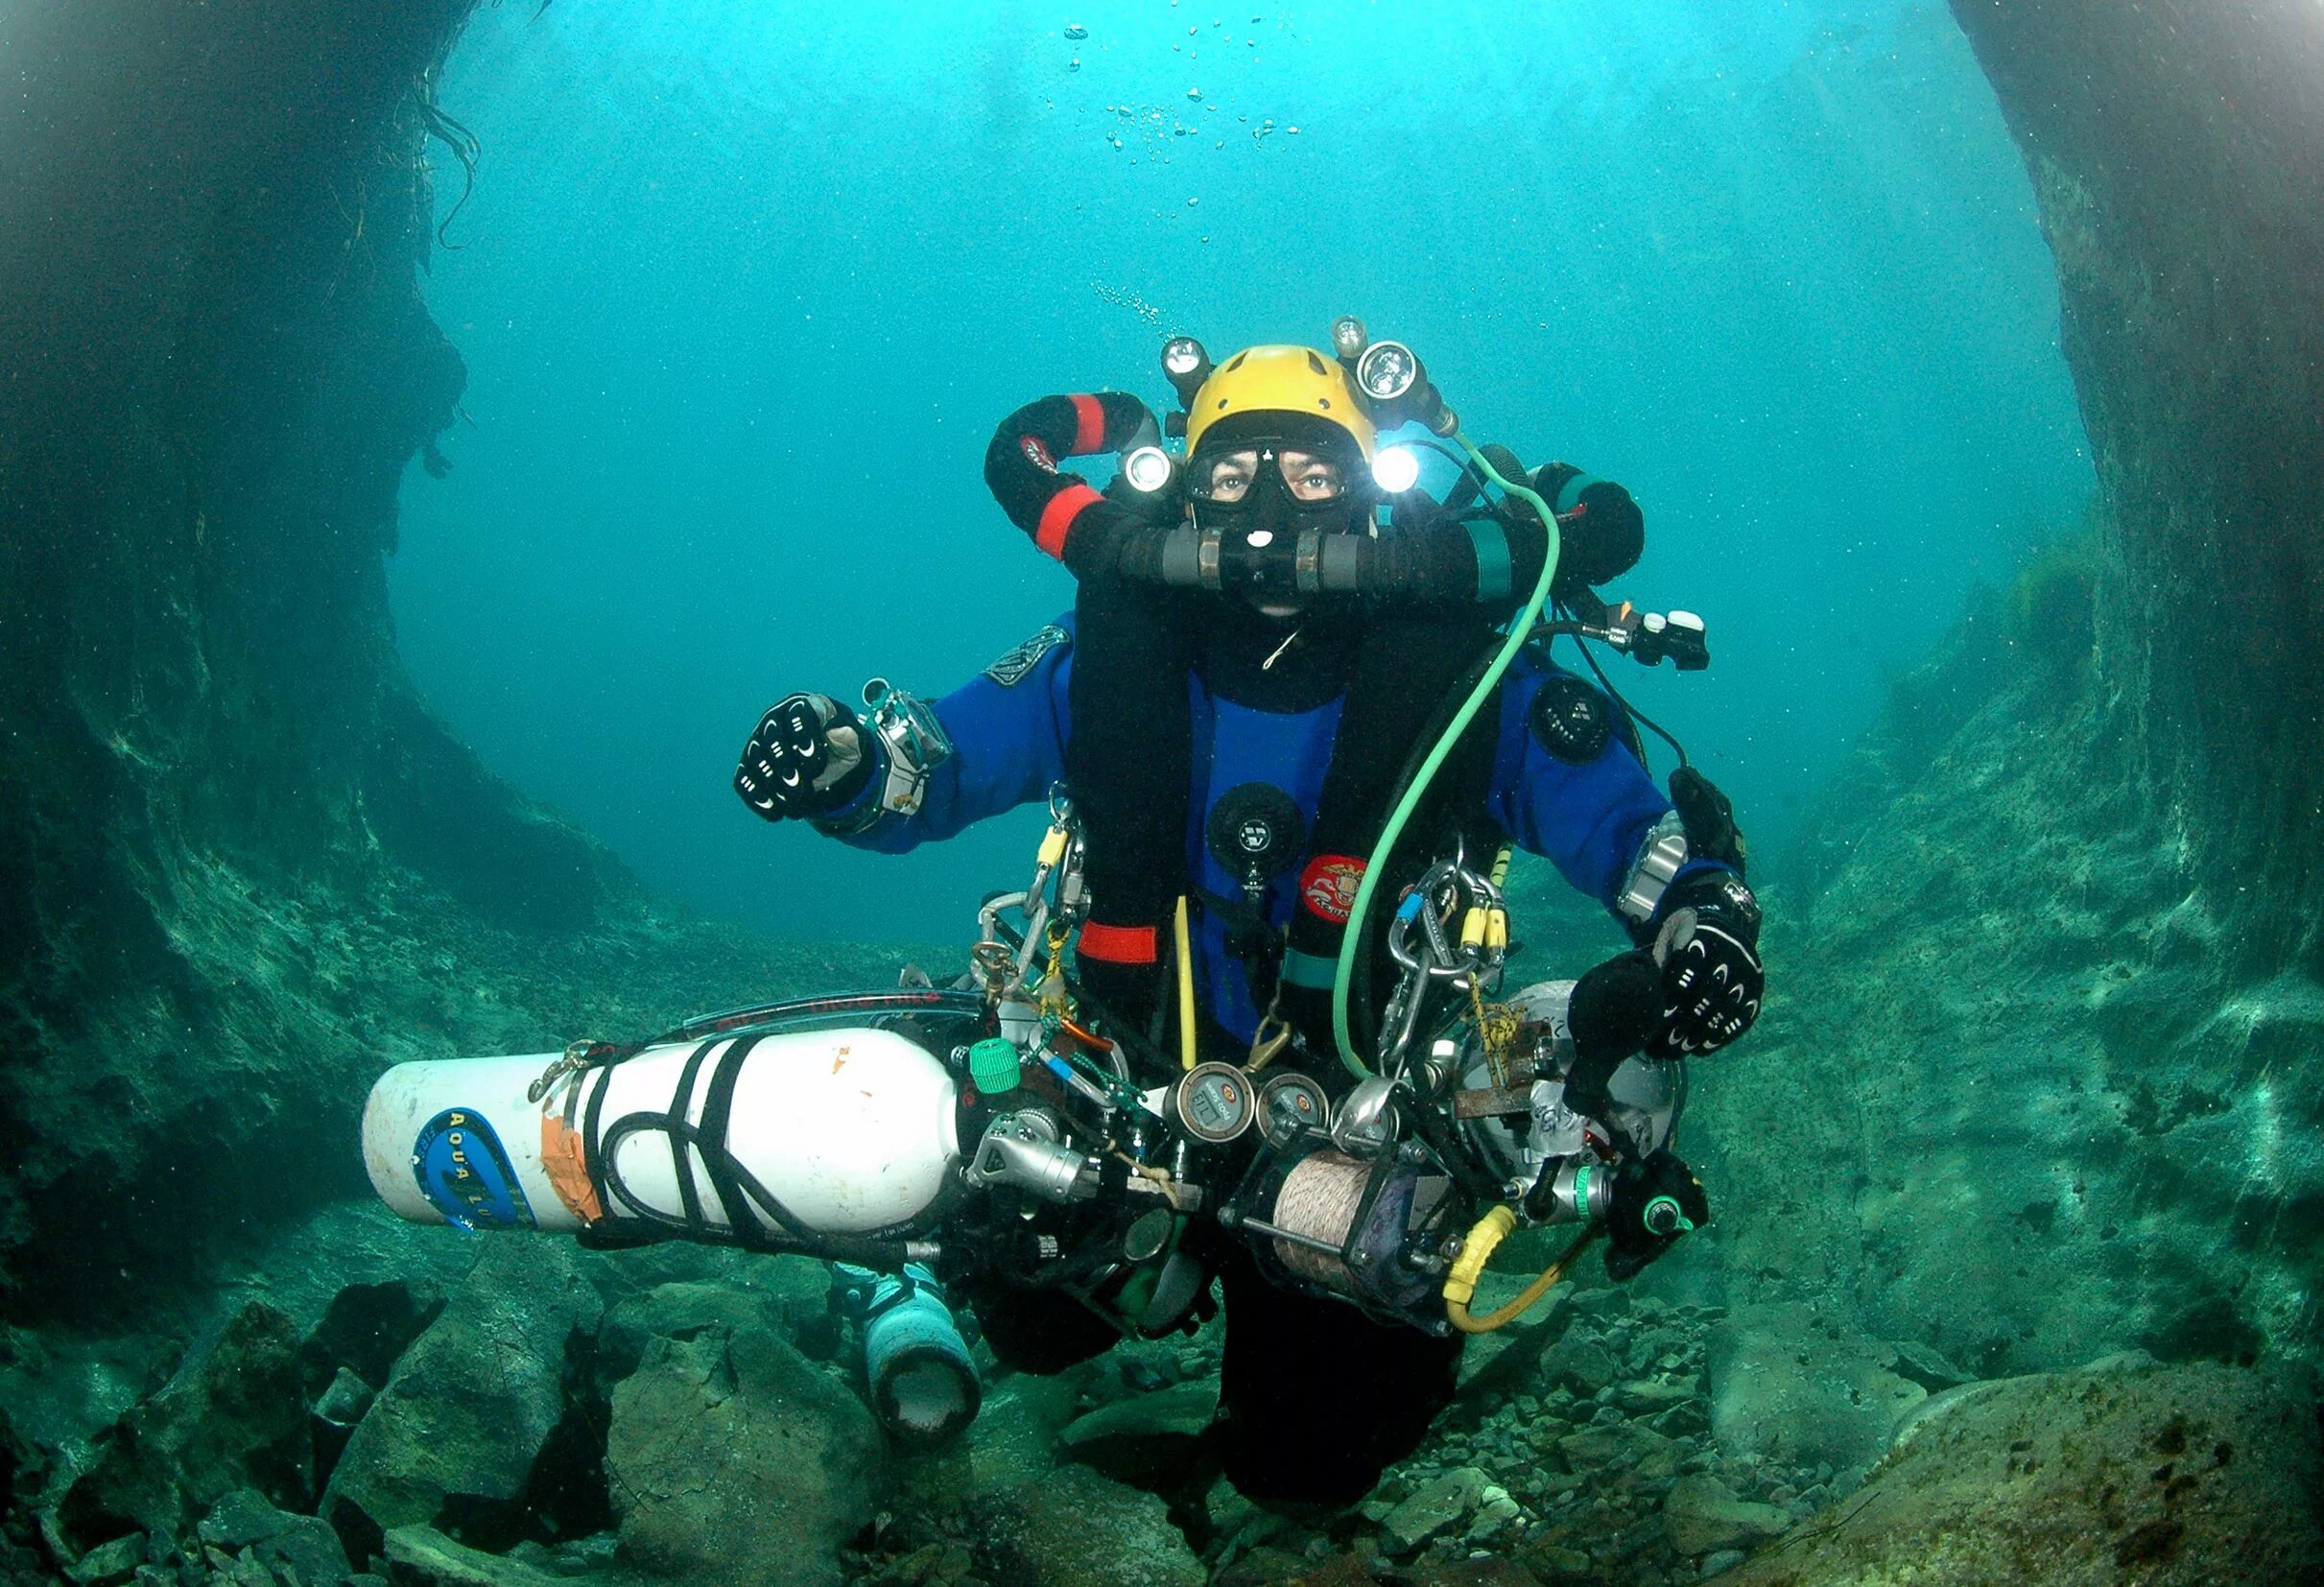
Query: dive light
point(1148, 469)
point(1187, 367)
point(1396, 385)
point(1396, 470)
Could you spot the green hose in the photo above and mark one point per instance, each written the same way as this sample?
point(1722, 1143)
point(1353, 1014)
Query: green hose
point(1418, 786)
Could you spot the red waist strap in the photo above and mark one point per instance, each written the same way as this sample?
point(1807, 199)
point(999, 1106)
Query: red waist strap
point(1118, 944)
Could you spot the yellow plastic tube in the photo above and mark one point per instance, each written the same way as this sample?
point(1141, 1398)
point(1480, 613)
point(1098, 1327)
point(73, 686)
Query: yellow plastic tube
point(1460, 1284)
point(1180, 940)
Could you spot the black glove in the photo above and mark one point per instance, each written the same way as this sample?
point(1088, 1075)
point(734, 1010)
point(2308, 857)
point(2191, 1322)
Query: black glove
point(1708, 953)
point(1066, 518)
point(1655, 1201)
point(809, 757)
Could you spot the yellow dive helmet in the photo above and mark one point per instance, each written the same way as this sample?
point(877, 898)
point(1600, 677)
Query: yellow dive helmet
point(1279, 379)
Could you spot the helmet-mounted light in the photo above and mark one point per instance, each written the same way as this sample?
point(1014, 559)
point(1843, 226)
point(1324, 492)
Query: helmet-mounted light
point(1148, 469)
point(1396, 469)
point(1349, 337)
point(1187, 365)
point(1386, 370)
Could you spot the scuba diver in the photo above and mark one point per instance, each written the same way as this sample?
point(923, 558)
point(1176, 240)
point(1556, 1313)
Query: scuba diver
point(1265, 625)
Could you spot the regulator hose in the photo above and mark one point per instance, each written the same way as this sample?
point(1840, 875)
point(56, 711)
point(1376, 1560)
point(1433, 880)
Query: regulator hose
point(1521, 629)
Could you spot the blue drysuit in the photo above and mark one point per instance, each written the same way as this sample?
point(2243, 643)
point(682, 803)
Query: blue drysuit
point(1590, 818)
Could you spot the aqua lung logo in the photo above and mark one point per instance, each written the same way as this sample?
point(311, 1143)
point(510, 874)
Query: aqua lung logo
point(465, 1174)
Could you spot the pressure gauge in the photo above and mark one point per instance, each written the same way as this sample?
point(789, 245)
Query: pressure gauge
point(1288, 1103)
point(1214, 1102)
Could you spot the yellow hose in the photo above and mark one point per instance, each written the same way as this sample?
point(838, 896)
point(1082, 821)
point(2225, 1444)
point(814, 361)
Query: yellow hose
point(1186, 987)
point(1460, 1284)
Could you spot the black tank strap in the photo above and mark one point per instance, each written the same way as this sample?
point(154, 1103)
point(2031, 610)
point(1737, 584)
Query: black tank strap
point(593, 1157)
point(680, 1136)
point(718, 1111)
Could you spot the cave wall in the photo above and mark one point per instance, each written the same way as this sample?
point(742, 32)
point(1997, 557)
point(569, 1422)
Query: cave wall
point(2038, 1079)
point(2176, 149)
point(241, 867)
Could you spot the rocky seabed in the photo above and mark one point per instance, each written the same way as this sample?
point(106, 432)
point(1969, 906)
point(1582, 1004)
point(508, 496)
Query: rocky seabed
point(501, 1410)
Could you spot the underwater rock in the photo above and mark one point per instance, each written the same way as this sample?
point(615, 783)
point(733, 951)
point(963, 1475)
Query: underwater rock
point(1612, 1444)
point(1579, 1363)
point(2190, 1474)
point(1789, 1383)
point(234, 1416)
point(1704, 1516)
point(1148, 1441)
point(109, 1564)
point(422, 1557)
point(471, 1404)
point(1437, 1507)
point(1072, 1528)
point(1927, 1366)
point(366, 1326)
point(245, 1521)
point(732, 1458)
point(679, 1311)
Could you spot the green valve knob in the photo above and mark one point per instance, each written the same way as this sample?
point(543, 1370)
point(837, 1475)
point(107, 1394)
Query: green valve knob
point(992, 1065)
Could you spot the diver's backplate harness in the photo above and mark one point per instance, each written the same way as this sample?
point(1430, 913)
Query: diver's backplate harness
point(1007, 1125)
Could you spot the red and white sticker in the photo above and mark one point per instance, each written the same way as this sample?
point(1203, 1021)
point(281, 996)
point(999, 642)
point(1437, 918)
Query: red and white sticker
point(1036, 453)
point(1328, 885)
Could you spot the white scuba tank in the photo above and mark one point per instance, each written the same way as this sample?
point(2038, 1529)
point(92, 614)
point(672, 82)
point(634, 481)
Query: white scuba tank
point(852, 1131)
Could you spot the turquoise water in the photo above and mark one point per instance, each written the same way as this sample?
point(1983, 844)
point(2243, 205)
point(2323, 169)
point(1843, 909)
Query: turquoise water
point(743, 291)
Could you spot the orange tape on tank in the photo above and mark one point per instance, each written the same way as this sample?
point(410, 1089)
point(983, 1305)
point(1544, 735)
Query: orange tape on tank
point(566, 1158)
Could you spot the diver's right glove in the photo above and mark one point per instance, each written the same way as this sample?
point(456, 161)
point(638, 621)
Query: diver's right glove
point(1706, 947)
point(1655, 1201)
point(808, 757)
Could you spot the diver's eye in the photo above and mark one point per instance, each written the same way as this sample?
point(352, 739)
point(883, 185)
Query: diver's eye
point(1230, 477)
point(1312, 480)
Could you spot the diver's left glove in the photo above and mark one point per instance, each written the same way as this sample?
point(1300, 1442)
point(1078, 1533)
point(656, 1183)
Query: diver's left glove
point(808, 757)
point(1707, 949)
point(1065, 516)
point(1655, 1201)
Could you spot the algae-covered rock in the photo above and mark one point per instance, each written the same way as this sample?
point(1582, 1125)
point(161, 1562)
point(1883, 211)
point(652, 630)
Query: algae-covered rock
point(733, 1458)
point(469, 1406)
point(1072, 1528)
point(2190, 1474)
point(233, 1416)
